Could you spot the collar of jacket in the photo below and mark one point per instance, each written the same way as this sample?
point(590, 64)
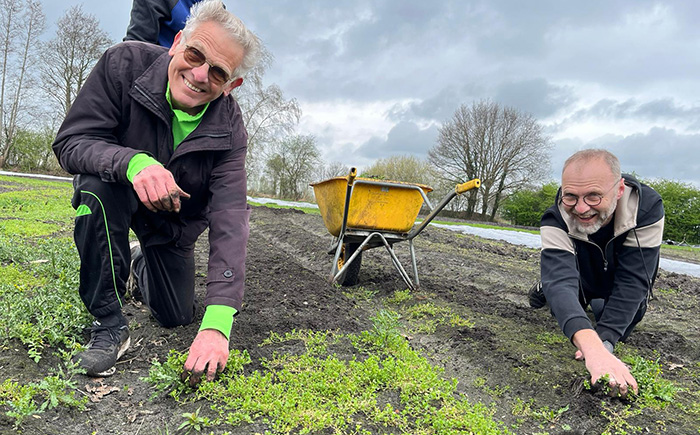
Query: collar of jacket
point(625, 217)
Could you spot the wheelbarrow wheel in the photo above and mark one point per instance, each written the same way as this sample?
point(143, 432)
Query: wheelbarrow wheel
point(350, 276)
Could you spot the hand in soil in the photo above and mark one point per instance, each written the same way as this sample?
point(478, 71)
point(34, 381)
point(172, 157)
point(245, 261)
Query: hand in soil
point(208, 354)
point(601, 363)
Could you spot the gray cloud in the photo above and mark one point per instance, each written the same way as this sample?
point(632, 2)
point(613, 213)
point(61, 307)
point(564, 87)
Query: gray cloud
point(405, 138)
point(535, 96)
point(658, 153)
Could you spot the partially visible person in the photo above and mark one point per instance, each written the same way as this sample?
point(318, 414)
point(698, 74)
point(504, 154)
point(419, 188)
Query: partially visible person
point(157, 144)
point(158, 21)
point(600, 248)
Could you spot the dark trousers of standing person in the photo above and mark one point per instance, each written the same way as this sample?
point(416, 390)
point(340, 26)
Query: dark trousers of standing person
point(165, 272)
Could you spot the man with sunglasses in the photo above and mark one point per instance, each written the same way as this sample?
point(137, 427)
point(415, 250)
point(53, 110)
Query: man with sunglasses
point(600, 248)
point(158, 146)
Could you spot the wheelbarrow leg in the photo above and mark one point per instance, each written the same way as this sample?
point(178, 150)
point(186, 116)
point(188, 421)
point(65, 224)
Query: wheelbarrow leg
point(348, 193)
point(413, 262)
point(397, 263)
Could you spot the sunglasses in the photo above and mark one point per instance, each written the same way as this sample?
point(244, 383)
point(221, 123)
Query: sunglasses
point(196, 58)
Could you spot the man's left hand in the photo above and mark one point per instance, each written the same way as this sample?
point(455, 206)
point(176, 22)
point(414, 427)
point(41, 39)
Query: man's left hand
point(208, 354)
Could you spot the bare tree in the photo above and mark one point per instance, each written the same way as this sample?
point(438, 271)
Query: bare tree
point(267, 115)
point(333, 169)
point(290, 167)
point(502, 146)
point(19, 32)
point(69, 57)
point(401, 168)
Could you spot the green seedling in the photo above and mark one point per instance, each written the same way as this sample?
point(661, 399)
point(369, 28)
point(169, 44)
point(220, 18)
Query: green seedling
point(193, 421)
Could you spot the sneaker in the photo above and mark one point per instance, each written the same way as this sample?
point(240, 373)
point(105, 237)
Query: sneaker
point(536, 296)
point(132, 285)
point(106, 346)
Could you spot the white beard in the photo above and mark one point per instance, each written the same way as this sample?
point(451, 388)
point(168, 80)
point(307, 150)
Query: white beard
point(592, 228)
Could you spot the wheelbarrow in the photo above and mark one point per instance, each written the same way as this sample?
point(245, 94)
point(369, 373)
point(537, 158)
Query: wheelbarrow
point(364, 213)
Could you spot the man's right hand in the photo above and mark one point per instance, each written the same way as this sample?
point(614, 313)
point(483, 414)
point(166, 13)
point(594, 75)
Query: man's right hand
point(157, 189)
point(600, 362)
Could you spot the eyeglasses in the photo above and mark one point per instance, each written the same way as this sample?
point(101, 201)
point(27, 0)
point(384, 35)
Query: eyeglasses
point(196, 58)
point(591, 200)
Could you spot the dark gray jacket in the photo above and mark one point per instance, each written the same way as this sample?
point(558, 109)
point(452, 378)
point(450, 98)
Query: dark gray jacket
point(575, 270)
point(122, 110)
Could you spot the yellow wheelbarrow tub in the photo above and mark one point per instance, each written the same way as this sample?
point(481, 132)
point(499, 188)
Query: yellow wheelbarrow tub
point(380, 206)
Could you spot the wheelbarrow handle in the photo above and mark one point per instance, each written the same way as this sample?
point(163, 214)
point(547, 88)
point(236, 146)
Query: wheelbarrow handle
point(351, 176)
point(469, 185)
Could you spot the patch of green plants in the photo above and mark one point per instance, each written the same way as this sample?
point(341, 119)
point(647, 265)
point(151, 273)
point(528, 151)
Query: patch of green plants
point(426, 317)
point(48, 203)
point(495, 391)
point(44, 310)
point(551, 338)
point(193, 421)
point(383, 385)
point(314, 341)
point(618, 420)
point(543, 414)
point(307, 210)
point(360, 293)
point(400, 296)
point(56, 390)
point(667, 291)
point(654, 391)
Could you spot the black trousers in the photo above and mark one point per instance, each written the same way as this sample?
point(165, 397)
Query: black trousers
point(105, 213)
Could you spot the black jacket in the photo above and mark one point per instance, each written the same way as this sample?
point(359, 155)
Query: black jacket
point(575, 270)
point(121, 111)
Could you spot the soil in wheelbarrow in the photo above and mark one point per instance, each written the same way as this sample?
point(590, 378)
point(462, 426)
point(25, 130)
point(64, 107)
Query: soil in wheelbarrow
point(506, 355)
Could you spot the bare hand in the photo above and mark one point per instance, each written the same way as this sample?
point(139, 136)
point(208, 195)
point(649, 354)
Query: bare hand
point(208, 353)
point(157, 189)
point(600, 362)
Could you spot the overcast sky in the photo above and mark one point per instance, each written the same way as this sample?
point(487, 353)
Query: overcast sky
point(377, 78)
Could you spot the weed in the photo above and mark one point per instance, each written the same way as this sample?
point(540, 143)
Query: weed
point(428, 316)
point(385, 330)
point(654, 391)
point(315, 342)
point(42, 307)
point(360, 293)
point(193, 421)
point(400, 296)
point(57, 389)
point(618, 421)
point(544, 414)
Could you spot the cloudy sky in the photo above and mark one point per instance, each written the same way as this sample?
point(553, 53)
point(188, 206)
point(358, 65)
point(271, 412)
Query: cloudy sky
point(377, 78)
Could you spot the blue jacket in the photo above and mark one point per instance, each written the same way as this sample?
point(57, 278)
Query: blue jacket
point(575, 270)
point(158, 21)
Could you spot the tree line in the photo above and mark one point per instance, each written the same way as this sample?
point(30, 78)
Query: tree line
point(502, 146)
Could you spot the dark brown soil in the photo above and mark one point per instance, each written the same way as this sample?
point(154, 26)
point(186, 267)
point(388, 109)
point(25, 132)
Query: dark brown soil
point(483, 281)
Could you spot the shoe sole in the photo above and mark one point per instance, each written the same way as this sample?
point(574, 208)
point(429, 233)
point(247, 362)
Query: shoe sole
point(122, 350)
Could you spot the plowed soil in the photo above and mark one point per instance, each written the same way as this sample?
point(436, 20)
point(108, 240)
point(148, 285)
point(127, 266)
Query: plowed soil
point(506, 358)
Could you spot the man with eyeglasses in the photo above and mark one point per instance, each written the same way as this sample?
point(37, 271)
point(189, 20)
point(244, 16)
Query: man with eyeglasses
point(158, 146)
point(600, 248)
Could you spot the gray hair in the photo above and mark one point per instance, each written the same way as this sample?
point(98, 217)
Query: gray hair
point(584, 156)
point(214, 11)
